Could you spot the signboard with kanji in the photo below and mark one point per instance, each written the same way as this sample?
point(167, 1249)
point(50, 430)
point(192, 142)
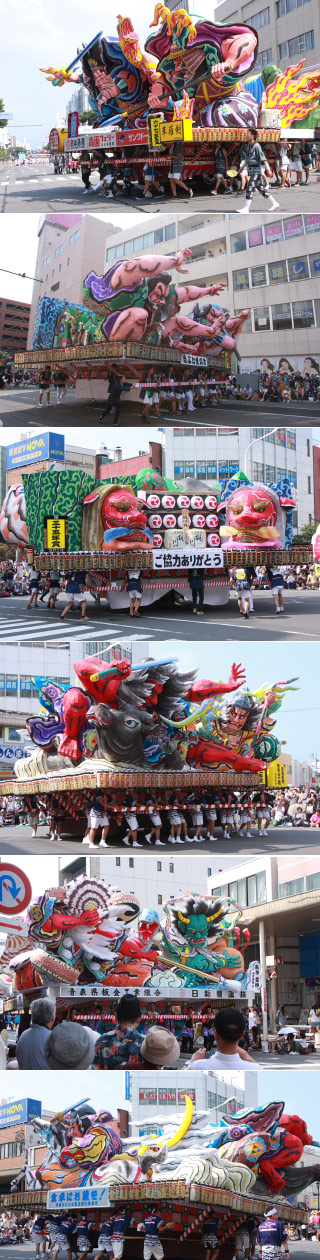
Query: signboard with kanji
point(56, 533)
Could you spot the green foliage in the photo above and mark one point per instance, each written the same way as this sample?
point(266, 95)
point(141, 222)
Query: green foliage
point(3, 121)
point(88, 117)
point(305, 535)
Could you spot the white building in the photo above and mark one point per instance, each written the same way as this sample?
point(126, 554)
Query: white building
point(163, 1094)
point(155, 877)
point(21, 662)
point(287, 30)
point(70, 245)
point(216, 453)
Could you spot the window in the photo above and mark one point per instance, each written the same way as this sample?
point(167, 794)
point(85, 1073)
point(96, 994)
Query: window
point(261, 317)
point(212, 469)
point(118, 861)
point(281, 472)
point(258, 276)
point(263, 59)
point(171, 868)
point(179, 470)
point(269, 436)
point(131, 863)
point(169, 232)
point(260, 19)
point(241, 279)
point(313, 881)
point(309, 485)
point(2, 684)
point(201, 470)
point(277, 272)
point(54, 287)
point(159, 899)
point(255, 237)
point(308, 448)
point(270, 473)
point(212, 1100)
point(26, 686)
point(303, 314)
point(281, 315)
point(11, 683)
point(159, 866)
point(298, 268)
point(238, 242)
point(46, 262)
point(258, 432)
point(257, 888)
point(74, 237)
point(59, 250)
point(258, 472)
point(299, 44)
point(292, 888)
point(189, 469)
point(287, 6)
point(314, 260)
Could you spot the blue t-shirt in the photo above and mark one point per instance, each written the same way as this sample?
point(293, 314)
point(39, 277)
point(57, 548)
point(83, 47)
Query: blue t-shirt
point(151, 1225)
point(107, 1228)
point(210, 1225)
point(121, 1223)
point(66, 1228)
point(277, 580)
point(39, 1225)
point(81, 1230)
point(271, 1233)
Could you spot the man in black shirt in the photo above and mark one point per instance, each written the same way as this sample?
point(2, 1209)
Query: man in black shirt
point(116, 385)
point(256, 164)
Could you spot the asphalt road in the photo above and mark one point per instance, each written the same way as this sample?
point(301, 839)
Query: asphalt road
point(298, 1250)
point(37, 189)
point(165, 621)
point(278, 840)
point(14, 402)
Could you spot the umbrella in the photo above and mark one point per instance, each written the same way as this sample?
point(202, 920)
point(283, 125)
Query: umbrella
point(283, 1032)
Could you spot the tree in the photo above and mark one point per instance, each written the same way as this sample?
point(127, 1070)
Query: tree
point(3, 121)
point(305, 535)
point(88, 117)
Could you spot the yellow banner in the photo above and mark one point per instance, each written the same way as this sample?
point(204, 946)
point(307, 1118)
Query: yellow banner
point(56, 533)
point(277, 775)
point(167, 133)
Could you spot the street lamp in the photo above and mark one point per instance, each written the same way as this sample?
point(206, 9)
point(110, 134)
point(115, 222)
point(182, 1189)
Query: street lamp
point(258, 439)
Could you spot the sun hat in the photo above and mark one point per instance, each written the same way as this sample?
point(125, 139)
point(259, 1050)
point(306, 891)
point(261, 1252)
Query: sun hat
point(70, 1046)
point(160, 1047)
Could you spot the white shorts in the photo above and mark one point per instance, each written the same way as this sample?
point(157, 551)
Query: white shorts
point(152, 1249)
point(175, 819)
point(39, 1238)
point(132, 822)
point(105, 1242)
point(134, 591)
point(242, 1240)
point(54, 590)
point(263, 813)
point(117, 1247)
point(211, 815)
point(197, 819)
point(156, 820)
point(155, 398)
point(84, 1244)
point(61, 1241)
point(98, 820)
point(296, 164)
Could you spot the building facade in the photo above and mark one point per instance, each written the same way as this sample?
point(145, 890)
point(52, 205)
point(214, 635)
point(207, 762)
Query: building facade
point(74, 457)
point(14, 323)
point(164, 1094)
point(19, 1142)
point(70, 245)
point(108, 467)
point(282, 894)
point(287, 30)
point(217, 453)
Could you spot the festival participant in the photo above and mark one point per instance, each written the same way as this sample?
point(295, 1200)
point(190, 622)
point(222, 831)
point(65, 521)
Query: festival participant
point(243, 592)
point(245, 819)
point(152, 1226)
point(272, 1236)
point(45, 382)
point(263, 815)
point(196, 583)
point(277, 587)
point(210, 1239)
point(121, 1222)
point(75, 585)
point(134, 588)
point(34, 582)
point(54, 588)
point(52, 1229)
point(221, 163)
point(150, 182)
point(187, 1036)
point(156, 828)
point(242, 1242)
point(33, 817)
point(39, 1235)
point(117, 1048)
point(85, 164)
point(104, 1241)
point(211, 814)
point(257, 166)
point(176, 821)
point(175, 172)
point(97, 817)
point(116, 386)
point(197, 823)
point(133, 825)
point(229, 1026)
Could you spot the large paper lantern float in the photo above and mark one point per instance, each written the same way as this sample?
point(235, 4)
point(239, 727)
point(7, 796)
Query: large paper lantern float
point(256, 516)
point(254, 1153)
point(151, 715)
point(137, 301)
point(190, 69)
point(90, 932)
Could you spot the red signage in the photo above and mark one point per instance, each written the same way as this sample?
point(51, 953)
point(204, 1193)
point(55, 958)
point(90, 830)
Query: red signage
point(132, 137)
point(54, 140)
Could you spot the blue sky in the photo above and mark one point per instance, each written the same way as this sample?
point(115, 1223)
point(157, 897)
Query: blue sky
point(298, 1089)
point(298, 719)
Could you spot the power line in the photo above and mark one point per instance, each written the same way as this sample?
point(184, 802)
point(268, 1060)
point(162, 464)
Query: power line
point(22, 274)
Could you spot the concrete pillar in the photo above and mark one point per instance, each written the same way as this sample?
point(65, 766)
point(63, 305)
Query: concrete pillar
point(273, 999)
point(262, 947)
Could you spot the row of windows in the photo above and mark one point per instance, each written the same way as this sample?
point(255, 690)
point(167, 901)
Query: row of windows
point(284, 315)
point(141, 242)
point(283, 437)
point(304, 268)
point(294, 47)
point(282, 230)
point(11, 684)
point(180, 432)
point(260, 19)
point(249, 891)
point(263, 59)
point(287, 6)
point(293, 887)
point(11, 1149)
point(270, 473)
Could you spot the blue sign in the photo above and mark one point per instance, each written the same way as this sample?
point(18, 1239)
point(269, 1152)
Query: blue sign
point(33, 449)
point(128, 1086)
point(19, 1112)
point(82, 1198)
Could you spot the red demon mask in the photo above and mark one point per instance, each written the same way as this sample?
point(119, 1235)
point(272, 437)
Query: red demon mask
point(121, 507)
point(252, 508)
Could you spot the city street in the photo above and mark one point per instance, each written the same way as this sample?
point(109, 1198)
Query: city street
point(278, 840)
point(302, 1250)
point(37, 189)
point(164, 620)
point(14, 402)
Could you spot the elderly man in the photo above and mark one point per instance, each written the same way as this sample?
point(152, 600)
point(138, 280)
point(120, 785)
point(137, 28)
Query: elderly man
point(31, 1045)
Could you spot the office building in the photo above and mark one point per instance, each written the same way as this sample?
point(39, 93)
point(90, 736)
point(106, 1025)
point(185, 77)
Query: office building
point(14, 323)
point(70, 245)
